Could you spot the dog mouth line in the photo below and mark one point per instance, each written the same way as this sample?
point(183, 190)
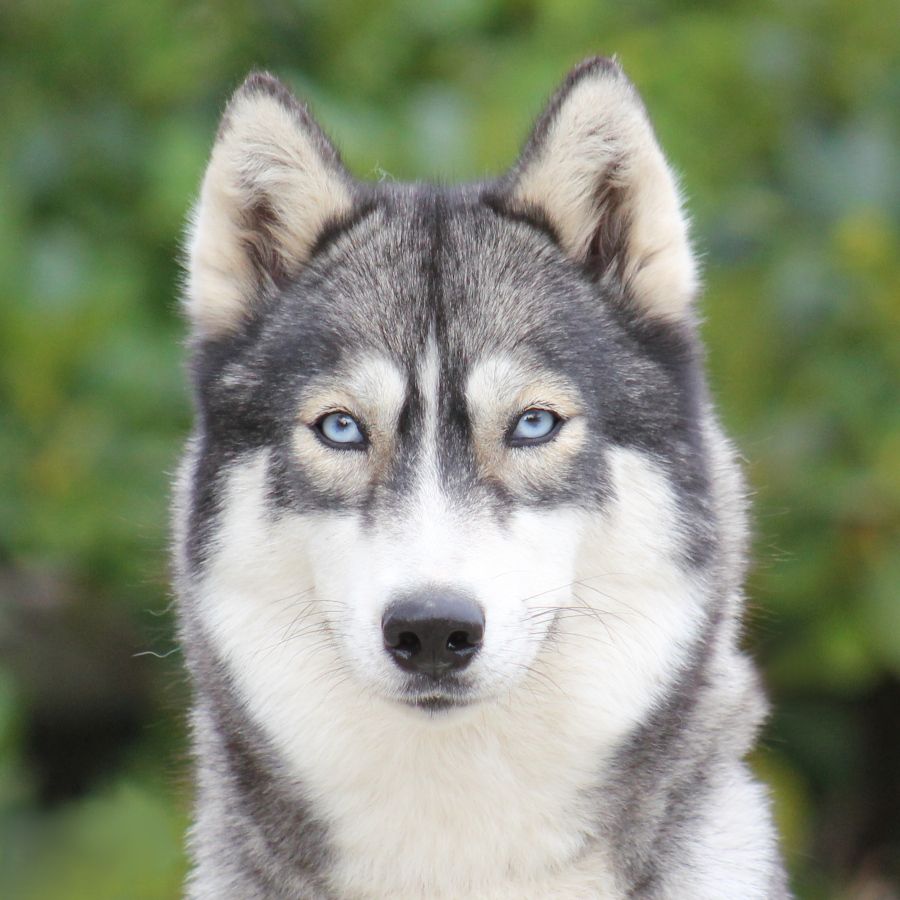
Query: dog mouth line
point(437, 703)
point(436, 700)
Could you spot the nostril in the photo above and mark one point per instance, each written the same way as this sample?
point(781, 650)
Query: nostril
point(407, 644)
point(460, 641)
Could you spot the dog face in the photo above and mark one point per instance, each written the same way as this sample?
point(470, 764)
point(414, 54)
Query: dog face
point(435, 425)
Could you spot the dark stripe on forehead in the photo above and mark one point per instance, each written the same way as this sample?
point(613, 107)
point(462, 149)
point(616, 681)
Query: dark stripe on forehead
point(412, 317)
point(456, 463)
point(429, 220)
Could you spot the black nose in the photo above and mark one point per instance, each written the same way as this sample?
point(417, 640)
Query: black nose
point(433, 633)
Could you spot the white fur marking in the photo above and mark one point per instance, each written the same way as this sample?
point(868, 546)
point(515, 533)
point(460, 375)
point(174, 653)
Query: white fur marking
point(507, 781)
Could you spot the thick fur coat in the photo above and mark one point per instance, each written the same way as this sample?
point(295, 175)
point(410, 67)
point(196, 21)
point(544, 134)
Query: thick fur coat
point(492, 392)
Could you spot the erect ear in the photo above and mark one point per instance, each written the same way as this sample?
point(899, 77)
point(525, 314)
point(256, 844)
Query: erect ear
point(273, 182)
point(593, 170)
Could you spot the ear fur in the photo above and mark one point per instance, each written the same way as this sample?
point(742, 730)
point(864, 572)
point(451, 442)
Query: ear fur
point(593, 169)
point(273, 182)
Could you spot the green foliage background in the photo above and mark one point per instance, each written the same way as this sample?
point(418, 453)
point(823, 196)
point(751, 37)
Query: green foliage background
point(782, 119)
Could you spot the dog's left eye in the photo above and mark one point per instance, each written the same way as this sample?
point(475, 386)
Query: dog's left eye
point(341, 430)
point(534, 426)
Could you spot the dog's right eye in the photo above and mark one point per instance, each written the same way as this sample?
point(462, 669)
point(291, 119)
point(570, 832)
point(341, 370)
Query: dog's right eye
point(534, 426)
point(341, 431)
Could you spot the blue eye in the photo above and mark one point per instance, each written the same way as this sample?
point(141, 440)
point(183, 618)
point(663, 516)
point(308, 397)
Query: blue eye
point(534, 427)
point(340, 429)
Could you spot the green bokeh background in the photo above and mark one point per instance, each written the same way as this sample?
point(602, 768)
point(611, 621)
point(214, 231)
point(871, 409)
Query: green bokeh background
point(782, 119)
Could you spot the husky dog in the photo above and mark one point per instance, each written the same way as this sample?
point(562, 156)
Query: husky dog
point(460, 544)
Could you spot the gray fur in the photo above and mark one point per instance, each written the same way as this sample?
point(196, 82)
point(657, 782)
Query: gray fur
point(468, 268)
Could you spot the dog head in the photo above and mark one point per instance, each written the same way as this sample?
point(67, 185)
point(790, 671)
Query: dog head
point(435, 426)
